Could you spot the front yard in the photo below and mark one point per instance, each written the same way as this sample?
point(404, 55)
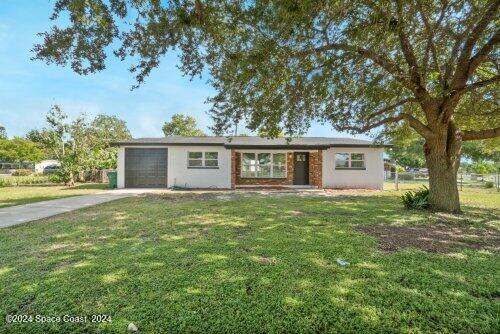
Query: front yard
point(17, 195)
point(248, 263)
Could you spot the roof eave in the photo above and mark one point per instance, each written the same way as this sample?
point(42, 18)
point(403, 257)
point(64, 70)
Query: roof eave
point(277, 147)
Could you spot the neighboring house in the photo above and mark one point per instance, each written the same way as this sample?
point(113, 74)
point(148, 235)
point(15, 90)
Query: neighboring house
point(238, 162)
point(42, 165)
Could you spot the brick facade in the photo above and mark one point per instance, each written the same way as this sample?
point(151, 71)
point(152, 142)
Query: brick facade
point(315, 171)
point(316, 168)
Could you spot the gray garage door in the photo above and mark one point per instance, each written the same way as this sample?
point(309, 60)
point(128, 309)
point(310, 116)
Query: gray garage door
point(145, 167)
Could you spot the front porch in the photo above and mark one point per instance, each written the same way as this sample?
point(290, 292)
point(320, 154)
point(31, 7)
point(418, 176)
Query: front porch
point(283, 169)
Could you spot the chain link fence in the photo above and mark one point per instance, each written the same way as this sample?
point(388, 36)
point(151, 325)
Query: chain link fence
point(407, 180)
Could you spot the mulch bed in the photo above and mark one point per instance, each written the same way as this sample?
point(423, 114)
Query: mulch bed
point(439, 238)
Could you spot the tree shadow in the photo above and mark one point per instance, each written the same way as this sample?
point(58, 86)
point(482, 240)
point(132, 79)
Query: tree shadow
point(239, 266)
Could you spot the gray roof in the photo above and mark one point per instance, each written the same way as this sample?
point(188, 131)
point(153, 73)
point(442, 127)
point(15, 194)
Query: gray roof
point(251, 142)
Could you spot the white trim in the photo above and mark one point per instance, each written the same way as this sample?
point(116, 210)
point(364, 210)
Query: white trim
point(350, 160)
point(203, 159)
point(271, 165)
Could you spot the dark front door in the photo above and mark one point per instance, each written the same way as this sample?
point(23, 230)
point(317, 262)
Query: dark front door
point(145, 167)
point(301, 168)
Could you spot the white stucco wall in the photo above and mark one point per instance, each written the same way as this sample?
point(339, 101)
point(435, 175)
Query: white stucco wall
point(120, 167)
point(178, 172)
point(371, 178)
point(182, 176)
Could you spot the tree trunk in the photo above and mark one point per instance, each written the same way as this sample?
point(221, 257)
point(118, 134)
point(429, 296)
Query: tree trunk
point(443, 159)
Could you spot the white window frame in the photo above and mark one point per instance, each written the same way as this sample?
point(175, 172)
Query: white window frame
point(271, 164)
point(203, 160)
point(350, 160)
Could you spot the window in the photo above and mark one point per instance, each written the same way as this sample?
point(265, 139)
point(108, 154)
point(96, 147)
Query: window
point(263, 165)
point(349, 161)
point(203, 159)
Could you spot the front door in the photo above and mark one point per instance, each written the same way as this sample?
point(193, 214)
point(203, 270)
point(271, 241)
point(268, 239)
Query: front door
point(301, 168)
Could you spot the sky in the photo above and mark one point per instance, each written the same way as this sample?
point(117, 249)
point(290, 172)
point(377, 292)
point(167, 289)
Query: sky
point(29, 88)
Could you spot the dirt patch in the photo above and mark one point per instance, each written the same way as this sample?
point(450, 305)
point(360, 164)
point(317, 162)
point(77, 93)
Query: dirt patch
point(265, 259)
point(439, 238)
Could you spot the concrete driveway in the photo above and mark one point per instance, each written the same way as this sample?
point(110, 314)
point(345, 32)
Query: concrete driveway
point(20, 214)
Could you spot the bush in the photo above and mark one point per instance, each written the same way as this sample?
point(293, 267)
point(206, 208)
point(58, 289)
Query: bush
point(56, 178)
point(22, 180)
point(489, 184)
point(22, 172)
point(416, 199)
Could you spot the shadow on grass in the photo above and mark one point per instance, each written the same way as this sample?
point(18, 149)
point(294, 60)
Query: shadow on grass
point(89, 186)
point(242, 265)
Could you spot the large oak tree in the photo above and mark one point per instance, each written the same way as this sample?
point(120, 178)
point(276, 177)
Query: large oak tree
point(278, 64)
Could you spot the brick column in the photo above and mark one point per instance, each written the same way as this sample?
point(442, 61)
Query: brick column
point(316, 169)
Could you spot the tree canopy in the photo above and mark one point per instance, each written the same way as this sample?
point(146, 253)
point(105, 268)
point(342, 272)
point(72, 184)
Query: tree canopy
point(182, 125)
point(19, 150)
point(80, 144)
point(3, 132)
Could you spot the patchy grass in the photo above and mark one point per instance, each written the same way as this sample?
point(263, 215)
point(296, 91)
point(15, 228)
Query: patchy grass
point(247, 263)
point(10, 196)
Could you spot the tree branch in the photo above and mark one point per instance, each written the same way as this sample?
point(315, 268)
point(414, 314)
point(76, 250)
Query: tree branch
point(481, 134)
point(409, 54)
point(414, 123)
point(481, 83)
point(463, 62)
point(382, 61)
point(483, 53)
point(431, 46)
point(389, 108)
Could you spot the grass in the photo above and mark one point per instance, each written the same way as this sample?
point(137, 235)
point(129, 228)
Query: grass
point(10, 196)
point(246, 264)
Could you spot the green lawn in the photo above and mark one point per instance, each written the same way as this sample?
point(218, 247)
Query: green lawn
point(28, 194)
point(248, 263)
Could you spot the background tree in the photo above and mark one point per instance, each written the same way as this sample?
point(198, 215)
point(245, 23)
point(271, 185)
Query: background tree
point(357, 64)
point(182, 125)
point(3, 132)
point(80, 145)
point(19, 150)
point(107, 129)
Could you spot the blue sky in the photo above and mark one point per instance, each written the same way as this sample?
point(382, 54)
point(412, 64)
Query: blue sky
point(29, 88)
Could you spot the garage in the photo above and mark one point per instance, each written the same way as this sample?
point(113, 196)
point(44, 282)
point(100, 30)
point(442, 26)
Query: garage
point(146, 167)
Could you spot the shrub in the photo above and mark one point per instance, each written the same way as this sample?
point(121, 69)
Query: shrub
point(22, 172)
point(56, 178)
point(22, 180)
point(416, 199)
point(489, 184)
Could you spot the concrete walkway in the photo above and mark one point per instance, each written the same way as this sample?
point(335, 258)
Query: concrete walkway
point(20, 214)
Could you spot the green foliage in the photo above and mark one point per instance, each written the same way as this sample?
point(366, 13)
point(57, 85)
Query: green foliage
point(407, 149)
point(22, 172)
point(400, 169)
point(3, 132)
point(482, 150)
point(23, 180)
point(19, 150)
point(56, 178)
point(483, 167)
point(80, 144)
point(416, 199)
point(489, 184)
point(261, 59)
point(182, 125)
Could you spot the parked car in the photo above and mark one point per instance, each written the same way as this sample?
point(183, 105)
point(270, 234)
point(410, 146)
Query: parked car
point(51, 169)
